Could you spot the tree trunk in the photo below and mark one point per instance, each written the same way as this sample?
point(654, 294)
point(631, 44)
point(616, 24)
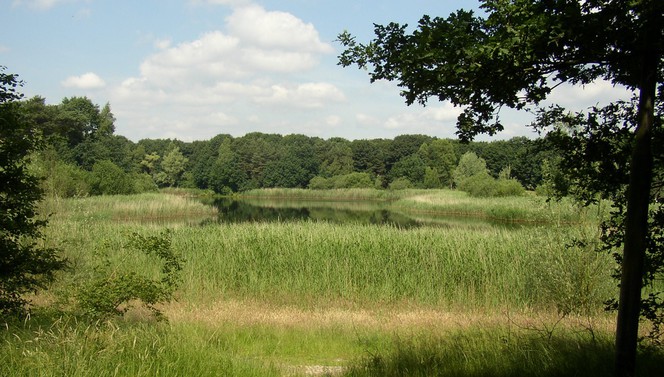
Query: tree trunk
point(636, 221)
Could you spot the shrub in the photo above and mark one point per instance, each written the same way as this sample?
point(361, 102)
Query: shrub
point(109, 179)
point(353, 180)
point(112, 290)
point(400, 184)
point(484, 186)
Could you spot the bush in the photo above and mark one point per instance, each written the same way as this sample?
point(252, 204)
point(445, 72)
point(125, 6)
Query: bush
point(320, 183)
point(484, 186)
point(112, 289)
point(400, 184)
point(109, 179)
point(353, 180)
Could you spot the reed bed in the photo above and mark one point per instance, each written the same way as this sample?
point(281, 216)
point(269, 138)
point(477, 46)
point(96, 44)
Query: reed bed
point(147, 207)
point(312, 263)
point(330, 195)
point(517, 209)
point(289, 298)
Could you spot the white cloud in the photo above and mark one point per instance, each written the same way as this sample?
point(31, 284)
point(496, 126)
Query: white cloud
point(88, 80)
point(577, 97)
point(275, 30)
point(3, 49)
point(428, 119)
point(255, 71)
point(307, 95)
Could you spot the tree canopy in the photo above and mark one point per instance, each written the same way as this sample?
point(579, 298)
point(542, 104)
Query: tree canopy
point(24, 265)
point(514, 56)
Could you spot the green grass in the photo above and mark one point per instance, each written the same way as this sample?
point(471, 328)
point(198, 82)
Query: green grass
point(518, 209)
point(277, 298)
point(499, 352)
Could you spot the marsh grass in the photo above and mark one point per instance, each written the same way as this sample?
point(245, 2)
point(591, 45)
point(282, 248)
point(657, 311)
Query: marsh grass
point(517, 209)
point(499, 352)
point(312, 263)
point(148, 207)
point(262, 299)
point(330, 195)
point(65, 346)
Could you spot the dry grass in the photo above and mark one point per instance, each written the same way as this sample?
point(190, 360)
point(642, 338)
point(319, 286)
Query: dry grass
point(384, 319)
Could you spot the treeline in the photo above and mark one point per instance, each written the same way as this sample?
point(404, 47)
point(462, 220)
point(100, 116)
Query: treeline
point(84, 156)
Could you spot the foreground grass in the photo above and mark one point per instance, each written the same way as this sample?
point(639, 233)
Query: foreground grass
point(274, 299)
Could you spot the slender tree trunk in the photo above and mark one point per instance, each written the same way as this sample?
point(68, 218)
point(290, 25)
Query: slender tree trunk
point(638, 200)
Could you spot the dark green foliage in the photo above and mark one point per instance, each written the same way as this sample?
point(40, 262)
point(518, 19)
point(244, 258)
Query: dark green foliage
point(352, 180)
point(112, 290)
point(514, 55)
point(411, 167)
point(24, 265)
point(400, 184)
point(107, 178)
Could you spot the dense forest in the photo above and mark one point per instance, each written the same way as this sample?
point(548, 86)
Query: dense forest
point(84, 156)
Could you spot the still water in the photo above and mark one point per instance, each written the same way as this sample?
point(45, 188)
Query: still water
point(261, 210)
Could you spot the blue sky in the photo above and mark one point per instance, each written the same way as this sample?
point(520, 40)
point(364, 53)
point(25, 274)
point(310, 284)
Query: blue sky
point(192, 69)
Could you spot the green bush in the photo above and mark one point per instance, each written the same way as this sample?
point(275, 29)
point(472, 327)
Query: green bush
point(320, 183)
point(353, 180)
point(113, 289)
point(400, 184)
point(109, 179)
point(484, 186)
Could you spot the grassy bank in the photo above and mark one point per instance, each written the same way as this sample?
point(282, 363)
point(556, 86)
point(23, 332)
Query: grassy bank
point(307, 298)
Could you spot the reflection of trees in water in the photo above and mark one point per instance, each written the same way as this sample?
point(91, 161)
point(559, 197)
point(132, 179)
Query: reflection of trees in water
point(235, 211)
point(238, 211)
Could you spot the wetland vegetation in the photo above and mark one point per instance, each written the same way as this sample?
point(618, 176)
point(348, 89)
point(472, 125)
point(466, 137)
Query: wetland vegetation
point(313, 296)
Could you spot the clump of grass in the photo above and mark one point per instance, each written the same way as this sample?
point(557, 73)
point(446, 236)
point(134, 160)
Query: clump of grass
point(528, 209)
point(352, 194)
point(66, 347)
point(151, 207)
point(499, 352)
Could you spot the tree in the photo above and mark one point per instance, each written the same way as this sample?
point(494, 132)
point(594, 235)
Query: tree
point(338, 159)
point(411, 167)
point(514, 57)
point(24, 265)
point(173, 166)
point(226, 174)
point(439, 155)
point(469, 165)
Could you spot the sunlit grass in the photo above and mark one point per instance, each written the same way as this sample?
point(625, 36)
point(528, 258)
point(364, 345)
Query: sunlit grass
point(270, 299)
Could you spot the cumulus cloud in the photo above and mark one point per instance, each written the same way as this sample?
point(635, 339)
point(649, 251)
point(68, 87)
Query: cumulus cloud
point(275, 30)
point(88, 80)
point(430, 118)
point(307, 95)
point(253, 66)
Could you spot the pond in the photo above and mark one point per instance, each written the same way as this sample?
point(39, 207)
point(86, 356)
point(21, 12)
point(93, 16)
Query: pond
point(340, 212)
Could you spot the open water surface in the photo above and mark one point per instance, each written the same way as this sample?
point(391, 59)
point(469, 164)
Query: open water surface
point(376, 213)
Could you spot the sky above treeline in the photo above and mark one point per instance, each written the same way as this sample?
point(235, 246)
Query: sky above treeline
point(193, 69)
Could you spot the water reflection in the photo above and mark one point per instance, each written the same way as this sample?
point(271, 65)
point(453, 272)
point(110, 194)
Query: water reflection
point(261, 210)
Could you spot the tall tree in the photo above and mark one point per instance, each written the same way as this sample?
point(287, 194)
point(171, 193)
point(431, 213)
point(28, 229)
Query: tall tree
point(514, 57)
point(24, 265)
